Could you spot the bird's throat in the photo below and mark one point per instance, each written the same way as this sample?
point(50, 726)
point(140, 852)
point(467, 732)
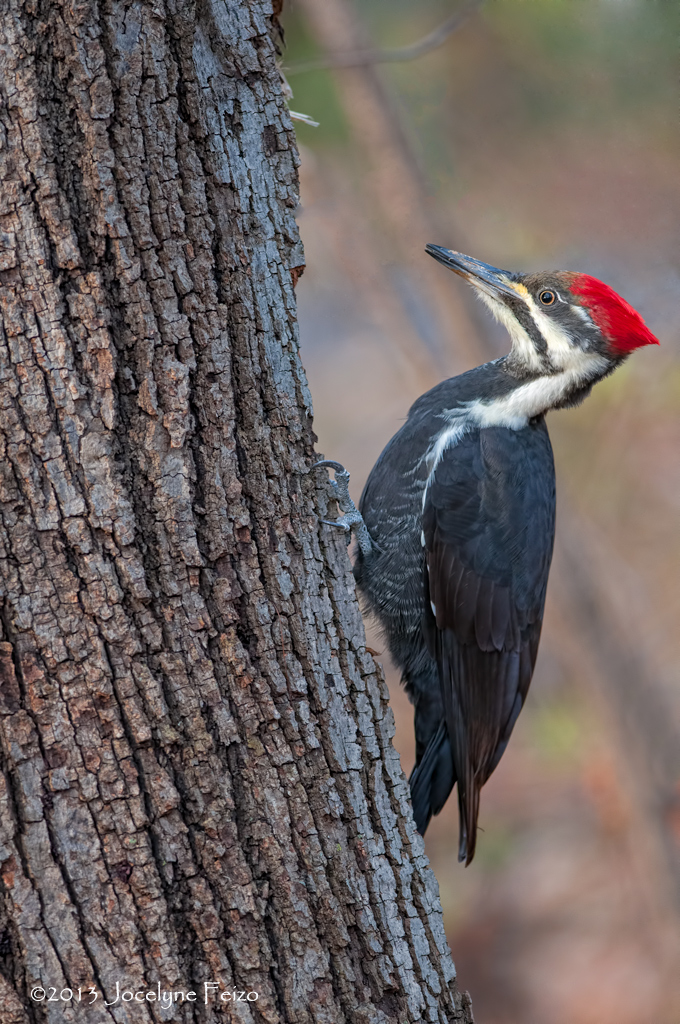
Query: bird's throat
point(537, 395)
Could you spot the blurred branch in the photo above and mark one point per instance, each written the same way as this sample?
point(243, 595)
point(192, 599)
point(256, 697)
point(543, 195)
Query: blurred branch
point(360, 58)
point(648, 751)
point(398, 200)
point(295, 115)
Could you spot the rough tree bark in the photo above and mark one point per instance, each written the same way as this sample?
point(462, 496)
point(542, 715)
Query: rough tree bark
point(197, 781)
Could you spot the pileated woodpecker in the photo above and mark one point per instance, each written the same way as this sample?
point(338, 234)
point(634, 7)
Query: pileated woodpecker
point(457, 520)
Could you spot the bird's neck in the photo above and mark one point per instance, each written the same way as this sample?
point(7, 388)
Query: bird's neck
point(535, 393)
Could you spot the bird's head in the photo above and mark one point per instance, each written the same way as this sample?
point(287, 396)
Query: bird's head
point(561, 323)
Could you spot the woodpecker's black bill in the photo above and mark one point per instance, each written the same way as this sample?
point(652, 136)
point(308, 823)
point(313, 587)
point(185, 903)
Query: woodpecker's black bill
point(482, 275)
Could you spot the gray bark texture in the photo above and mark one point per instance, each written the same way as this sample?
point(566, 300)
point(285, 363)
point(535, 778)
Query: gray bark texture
point(197, 779)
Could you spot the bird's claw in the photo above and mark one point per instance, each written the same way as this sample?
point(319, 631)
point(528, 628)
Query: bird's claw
point(352, 518)
point(345, 522)
point(340, 485)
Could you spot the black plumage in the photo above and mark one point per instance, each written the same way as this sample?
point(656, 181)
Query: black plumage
point(461, 605)
point(488, 523)
point(459, 518)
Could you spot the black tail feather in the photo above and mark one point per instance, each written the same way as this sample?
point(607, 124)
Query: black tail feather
point(468, 812)
point(432, 779)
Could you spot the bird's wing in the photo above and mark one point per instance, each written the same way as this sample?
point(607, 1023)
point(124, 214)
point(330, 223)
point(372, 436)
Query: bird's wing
point(488, 527)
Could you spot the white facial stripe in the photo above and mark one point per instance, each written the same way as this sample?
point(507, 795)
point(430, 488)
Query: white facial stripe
point(522, 345)
point(562, 351)
point(583, 313)
point(537, 396)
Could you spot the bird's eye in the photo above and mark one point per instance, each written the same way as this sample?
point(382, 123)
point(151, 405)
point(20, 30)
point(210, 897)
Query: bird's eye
point(547, 298)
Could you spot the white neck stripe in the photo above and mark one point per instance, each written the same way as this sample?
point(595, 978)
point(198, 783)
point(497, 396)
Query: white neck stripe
point(536, 396)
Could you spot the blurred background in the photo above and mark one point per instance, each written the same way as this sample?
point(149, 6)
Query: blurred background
point(541, 134)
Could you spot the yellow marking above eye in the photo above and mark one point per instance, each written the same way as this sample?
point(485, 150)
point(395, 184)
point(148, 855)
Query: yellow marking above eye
point(519, 288)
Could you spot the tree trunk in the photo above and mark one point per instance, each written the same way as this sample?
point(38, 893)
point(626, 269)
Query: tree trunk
point(198, 784)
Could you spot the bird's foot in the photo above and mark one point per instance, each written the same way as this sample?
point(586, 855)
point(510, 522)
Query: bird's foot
point(340, 485)
point(352, 518)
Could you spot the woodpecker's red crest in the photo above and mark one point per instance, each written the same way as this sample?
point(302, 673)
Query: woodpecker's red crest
point(622, 326)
